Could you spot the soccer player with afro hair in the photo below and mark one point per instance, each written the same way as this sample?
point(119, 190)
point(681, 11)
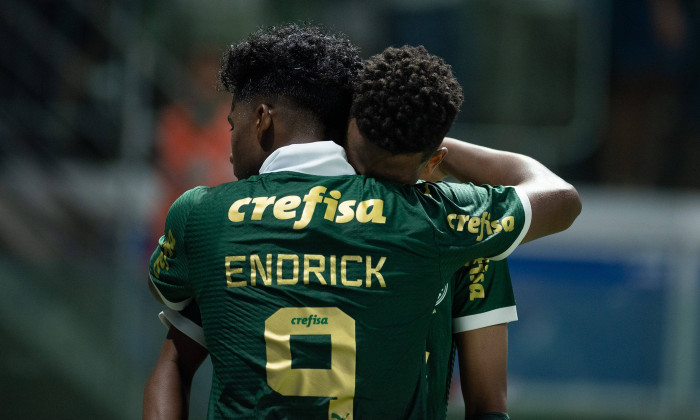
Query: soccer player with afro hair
point(280, 115)
point(307, 65)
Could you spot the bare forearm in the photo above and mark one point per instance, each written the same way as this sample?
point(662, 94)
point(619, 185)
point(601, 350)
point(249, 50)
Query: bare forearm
point(166, 395)
point(483, 355)
point(167, 391)
point(481, 165)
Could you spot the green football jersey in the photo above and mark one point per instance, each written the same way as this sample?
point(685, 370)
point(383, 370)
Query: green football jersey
point(316, 292)
point(479, 295)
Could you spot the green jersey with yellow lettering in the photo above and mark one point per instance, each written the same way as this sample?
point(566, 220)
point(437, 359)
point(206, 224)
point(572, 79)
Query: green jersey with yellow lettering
point(479, 295)
point(316, 292)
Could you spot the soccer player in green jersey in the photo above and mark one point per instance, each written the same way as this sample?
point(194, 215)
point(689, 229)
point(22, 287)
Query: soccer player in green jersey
point(316, 286)
point(483, 305)
point(481, 293)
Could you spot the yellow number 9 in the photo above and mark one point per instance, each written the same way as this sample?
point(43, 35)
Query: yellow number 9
point(338, 382)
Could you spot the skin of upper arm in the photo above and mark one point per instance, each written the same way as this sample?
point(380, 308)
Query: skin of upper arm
point(483, 365)
point(190, 353)
point(553, 211)
point(166, 394)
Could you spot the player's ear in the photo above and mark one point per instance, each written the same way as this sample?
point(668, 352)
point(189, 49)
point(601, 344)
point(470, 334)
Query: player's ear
point(263, 125)
point(429, 172)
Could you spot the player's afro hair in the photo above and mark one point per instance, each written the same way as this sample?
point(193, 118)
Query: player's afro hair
point(406, 100)
point(306, 64)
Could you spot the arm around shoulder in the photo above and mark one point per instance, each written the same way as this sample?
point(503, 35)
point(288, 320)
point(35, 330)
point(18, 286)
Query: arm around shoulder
point(555, 203)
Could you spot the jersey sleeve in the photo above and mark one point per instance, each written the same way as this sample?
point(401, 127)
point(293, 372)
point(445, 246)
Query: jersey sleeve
point(527, 220)
point(480, 221)
point(483, 296)
point(168, 266)
point(188, 321)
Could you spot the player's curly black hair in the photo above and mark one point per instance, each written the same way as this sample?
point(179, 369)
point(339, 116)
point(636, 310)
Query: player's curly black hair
point(406, 100)
point(309, 65)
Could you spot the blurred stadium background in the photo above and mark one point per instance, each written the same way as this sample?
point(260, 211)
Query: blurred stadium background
point(98, 97)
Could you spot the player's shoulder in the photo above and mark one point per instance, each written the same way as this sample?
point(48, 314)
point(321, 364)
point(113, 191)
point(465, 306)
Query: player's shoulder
point(469, 193)
point(202, 197)
point(461, 188)
point(445, 192)
point(191, 197)
point(180, 210)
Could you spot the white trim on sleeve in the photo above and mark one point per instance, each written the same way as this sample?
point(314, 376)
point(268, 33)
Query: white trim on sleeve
point(486, 319)
point(176, 306)
point(171, 318)
point(527, 210)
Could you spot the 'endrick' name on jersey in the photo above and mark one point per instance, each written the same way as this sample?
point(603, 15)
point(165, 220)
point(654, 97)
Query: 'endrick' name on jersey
point(292, 269)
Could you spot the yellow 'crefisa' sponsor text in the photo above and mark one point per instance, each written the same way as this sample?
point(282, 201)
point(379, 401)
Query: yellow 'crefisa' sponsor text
point(290, 208)
point(481, 226)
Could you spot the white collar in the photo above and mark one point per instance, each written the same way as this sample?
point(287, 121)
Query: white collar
point(324, 158)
